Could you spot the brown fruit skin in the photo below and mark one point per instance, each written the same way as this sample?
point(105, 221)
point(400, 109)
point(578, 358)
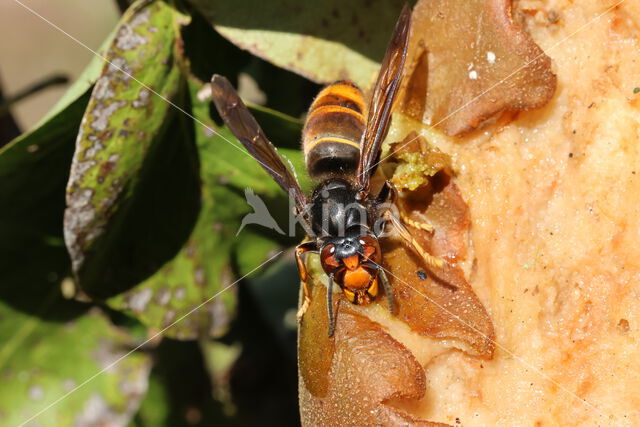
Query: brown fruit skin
point(552, 197)
point(369, 372)
point(473, 46)
point(349, 378)
point(553, 201)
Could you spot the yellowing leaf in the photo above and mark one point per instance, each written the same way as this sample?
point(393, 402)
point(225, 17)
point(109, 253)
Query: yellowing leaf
point(323, 41)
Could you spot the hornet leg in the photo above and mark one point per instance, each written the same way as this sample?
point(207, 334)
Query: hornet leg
point(431, 261)
point(440, 268)
point(332, 319)
point(301, 249)
point(426, 226)
point(389, 194)
point(388, 290)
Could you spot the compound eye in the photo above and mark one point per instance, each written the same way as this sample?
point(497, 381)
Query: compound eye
point(328, 259)
point(371, 248)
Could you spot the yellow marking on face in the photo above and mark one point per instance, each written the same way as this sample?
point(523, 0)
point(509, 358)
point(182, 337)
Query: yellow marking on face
point(352, 262)
point(351, 296)
point(373, 289)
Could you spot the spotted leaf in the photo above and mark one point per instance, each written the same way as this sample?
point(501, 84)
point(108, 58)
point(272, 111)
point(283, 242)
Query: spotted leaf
point(126, 123)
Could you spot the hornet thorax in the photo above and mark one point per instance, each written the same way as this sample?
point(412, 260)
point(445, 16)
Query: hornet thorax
point(335, 209)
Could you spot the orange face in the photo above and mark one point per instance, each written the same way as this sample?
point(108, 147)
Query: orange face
point(357, 274)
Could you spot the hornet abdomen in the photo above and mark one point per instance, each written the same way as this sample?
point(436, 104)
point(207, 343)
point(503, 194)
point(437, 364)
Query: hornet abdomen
point(332, 132)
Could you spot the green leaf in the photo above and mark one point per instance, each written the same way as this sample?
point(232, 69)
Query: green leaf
point(125, 267)
point(209, 53)
point(276, 293)
point(34, 170)
point(219, 359)
point(124, 133)
point(283, 130)
point(154, 409)
point(42, 361)
point(180, 391)
point(202, 267)
point(323, 41)
point(33, 173)
point(49, 345)
point(198, 272)
point(205, 267)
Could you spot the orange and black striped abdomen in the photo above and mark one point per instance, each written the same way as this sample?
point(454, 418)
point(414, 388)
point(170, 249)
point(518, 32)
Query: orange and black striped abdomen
point(331, 135)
